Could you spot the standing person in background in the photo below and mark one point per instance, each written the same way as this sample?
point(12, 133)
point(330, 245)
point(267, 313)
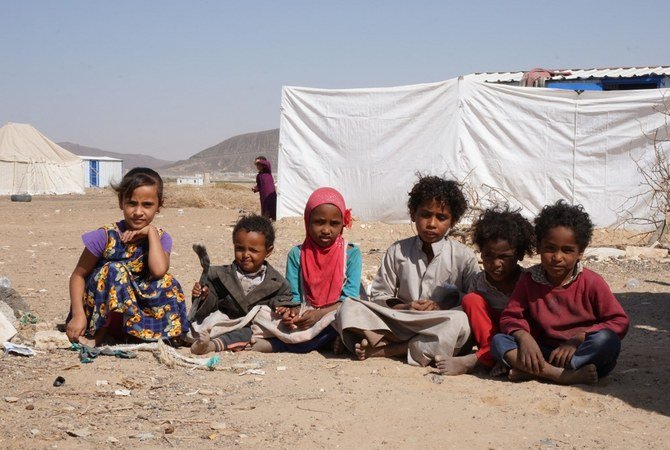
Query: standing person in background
point(265, 185)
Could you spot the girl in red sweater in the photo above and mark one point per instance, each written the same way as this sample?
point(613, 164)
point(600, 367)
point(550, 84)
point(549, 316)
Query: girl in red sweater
point(562, 322)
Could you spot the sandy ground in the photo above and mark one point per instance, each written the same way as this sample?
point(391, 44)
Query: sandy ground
point(305, 401)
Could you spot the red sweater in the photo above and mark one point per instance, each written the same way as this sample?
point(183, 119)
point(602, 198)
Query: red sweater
point(552, 315)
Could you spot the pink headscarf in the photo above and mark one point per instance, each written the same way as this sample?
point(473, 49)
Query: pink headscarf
point(322, 268)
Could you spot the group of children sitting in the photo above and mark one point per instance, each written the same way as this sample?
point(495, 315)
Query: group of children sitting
point(556, 321)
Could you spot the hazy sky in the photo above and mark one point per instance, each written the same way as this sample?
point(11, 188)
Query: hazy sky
point(169, 78)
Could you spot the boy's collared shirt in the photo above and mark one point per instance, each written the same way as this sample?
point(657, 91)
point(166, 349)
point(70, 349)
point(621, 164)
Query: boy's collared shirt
point(250, 280)
point(539, 275)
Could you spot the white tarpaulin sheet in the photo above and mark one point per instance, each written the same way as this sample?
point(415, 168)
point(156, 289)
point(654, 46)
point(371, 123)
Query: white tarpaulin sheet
point(533, 145)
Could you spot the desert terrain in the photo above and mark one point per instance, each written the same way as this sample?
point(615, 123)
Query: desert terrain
point(316, 400)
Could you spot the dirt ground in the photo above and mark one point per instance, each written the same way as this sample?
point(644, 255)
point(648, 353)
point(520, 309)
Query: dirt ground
point(304, 401)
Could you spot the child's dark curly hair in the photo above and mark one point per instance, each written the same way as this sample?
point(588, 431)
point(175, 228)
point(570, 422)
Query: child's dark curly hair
point(137, 177)
point(445, 192)
point(257, 224)
point(502, 223)
point(562, 214)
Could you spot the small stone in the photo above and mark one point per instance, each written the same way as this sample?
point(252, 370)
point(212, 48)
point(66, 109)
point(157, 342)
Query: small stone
point(80, 432)
point(11, 399)
point(169, 429)
point(437, 379)
point(206, 392)
point(122, 392)
point(113, 440)
point(646, 252)
point(101, 382)
point(143, 436)
point(34, 432)
point(218, 426)
point(281, 368)
point(30, 407)
point(51, 340)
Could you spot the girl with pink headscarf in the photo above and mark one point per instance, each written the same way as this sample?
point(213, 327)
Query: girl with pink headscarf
point(323, 271)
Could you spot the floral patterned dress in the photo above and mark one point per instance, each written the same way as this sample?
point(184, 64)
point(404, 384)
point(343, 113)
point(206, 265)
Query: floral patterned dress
point(121, 283)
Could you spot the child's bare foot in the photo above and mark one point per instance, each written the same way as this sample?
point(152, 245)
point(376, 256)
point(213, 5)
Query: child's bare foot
point(261, 345)
point(455, 365)
point(584, 375)
point(364, 350)
point(86, 341)
point(203, 344)
point(338, 346)
point(96, 341)
point(498, 370)
point(517, 375)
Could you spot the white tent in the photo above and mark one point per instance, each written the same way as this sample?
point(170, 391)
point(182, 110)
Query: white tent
point(32, 164)
point(534, 145)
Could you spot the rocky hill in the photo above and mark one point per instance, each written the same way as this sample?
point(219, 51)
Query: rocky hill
point(129, 161)
point(234, 155)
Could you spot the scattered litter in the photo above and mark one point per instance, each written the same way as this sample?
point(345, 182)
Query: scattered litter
point(101, 382)
point(206, 392)
point(633, 283)
point(649, 328)
point(59, 381)
point(112, 439)
point(628, 371)
point(18, 349)
point(192, 392)
point(218, 426)
point(281, 368)
point(11, 399)
point(122, 392)
point(87, 354)
point(34, 432)
point(253, 372)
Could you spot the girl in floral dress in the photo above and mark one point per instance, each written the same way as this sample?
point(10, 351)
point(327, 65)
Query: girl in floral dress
point(121, 283)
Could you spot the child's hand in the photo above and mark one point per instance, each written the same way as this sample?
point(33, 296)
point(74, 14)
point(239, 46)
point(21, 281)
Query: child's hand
point(288, 315)
point(529, 354)
point(254, 188)
point(133, 236)
point(308, 319)
point(564, 352)
point(76, 327)
point(424, 305)
point(199, 291)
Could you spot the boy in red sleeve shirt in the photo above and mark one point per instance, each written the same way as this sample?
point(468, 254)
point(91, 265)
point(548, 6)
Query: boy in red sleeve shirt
point(562, 322)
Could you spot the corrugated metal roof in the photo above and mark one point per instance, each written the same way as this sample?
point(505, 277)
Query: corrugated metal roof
point(575, 74)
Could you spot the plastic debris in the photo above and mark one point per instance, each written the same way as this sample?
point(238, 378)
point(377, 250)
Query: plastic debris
point(633, 283)
point(18, 349)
